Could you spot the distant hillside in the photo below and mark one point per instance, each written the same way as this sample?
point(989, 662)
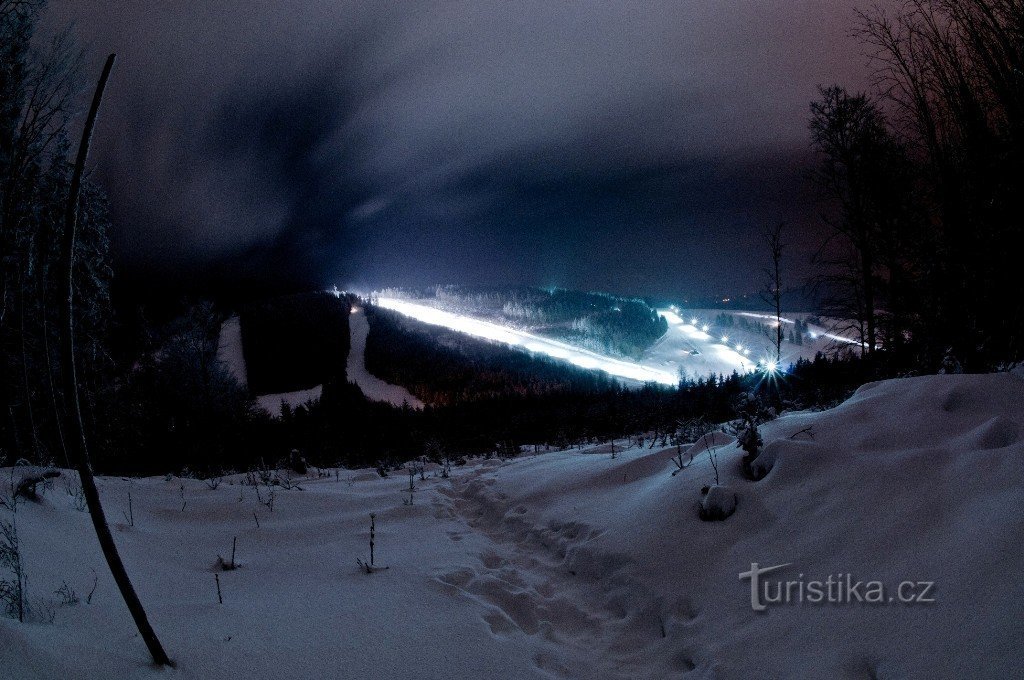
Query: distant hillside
point(597, 321)
point(441, 366)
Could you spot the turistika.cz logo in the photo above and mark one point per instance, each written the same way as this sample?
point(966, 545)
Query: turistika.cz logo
point(841, 588)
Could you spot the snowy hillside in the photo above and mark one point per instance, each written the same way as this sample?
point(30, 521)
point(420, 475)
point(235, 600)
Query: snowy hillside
point(572, 564)
point(692, 346)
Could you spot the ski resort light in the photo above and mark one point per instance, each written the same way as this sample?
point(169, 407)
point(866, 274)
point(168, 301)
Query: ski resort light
point(771, 367)
point(746, 352)
point(693, 321)
point(739, 347)
point(725, 338)
point(704, 328)
point(511, 336)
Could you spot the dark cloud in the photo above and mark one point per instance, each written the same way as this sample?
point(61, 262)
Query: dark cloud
point(638, 147)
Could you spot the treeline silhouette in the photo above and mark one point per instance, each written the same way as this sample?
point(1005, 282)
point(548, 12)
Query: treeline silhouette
point(926, 178)
point(295, 342)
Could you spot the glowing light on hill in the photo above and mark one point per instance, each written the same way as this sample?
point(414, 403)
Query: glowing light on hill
point(488, 330)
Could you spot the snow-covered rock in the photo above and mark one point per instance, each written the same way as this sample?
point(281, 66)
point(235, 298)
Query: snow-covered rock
point(718, 503)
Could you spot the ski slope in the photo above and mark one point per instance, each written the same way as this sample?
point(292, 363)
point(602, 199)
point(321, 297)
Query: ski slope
point(688, 349)
point(488, 330)
point(229, 353)
point(372, 387)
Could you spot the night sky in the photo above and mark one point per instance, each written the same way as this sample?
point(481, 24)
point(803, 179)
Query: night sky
point(633, 147)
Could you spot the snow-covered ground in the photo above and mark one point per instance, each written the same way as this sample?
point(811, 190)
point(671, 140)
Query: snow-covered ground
point(691, 346)
point(373, 387)
point(574, 564)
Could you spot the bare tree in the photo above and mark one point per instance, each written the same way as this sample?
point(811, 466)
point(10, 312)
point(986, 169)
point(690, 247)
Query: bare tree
point(772, 293)
point(951, 71)
point(76, 439)
point(858, 156)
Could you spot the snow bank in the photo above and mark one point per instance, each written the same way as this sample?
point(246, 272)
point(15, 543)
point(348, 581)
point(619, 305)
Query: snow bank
point(574, 564)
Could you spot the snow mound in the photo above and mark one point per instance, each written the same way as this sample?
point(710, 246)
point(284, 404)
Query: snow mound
point(718, 503)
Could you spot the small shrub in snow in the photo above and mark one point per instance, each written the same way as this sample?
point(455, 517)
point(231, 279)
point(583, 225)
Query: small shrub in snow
point(129, 515)
point(370, 567)
point(749, 439)
point(297, 463)
point(225, 565)
point(73, 487)
point(28, 486)
point(713, 457)
point(751, 415)
point(68, 596)
point(688, 432)
point(717, 503)
point(12, 583)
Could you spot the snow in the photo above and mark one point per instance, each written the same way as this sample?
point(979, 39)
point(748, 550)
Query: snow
point(686, 348)
point(373, 387)
point(229, 350)
point(538, 344)
point(271, 403)
point(572, 564)
point(718, 503)
point(697, 353)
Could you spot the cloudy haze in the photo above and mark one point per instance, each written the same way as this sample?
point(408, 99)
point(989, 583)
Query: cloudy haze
point(635, 147)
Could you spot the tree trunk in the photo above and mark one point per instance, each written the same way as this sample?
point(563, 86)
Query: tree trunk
point(76, 431)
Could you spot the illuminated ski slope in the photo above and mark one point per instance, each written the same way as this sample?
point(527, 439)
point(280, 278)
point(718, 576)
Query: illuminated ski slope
point(619, 368)
point(690, 347)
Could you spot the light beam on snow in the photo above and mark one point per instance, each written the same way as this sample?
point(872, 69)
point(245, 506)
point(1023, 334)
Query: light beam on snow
point(814, 335)
point(620, 368)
